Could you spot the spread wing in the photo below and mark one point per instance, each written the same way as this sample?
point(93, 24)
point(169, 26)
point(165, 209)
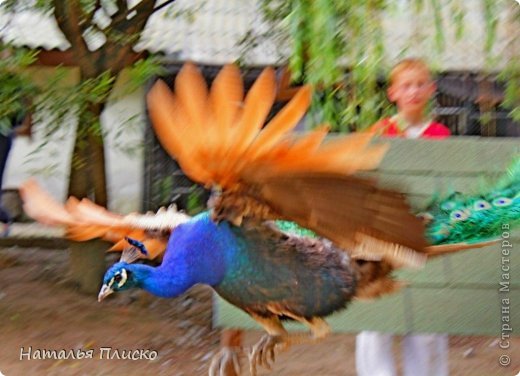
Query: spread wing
point(268, 172)
point(84, 220)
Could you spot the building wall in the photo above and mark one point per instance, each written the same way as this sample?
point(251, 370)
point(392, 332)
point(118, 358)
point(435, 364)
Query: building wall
point(455, 294)
point(50, 164)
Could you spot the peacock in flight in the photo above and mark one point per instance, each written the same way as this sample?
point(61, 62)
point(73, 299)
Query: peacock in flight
point(291, 231)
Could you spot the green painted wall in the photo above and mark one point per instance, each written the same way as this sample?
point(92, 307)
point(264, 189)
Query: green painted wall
point(457, 294)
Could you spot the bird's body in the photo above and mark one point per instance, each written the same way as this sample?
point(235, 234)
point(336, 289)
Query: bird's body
point(256, 268)
point(352, 232)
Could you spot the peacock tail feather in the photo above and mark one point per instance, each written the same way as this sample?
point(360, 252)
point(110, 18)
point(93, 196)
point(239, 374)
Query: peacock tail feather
point(293, 229)
point(460, 217)
point(479, 217)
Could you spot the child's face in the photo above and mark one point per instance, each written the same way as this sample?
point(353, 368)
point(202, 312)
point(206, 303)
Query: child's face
point(411, 90)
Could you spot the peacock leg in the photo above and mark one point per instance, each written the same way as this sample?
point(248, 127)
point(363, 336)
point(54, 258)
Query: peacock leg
point(262, 353)
point(319, 330)
point(225, 363)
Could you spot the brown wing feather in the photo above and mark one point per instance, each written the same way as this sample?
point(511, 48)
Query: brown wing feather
point(349, 210)
point(439, 250)
point(302, 179)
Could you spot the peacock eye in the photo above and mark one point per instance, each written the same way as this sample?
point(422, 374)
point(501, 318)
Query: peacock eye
point(481, 205)
point(121, 278)
point(459, 215)
point(502, 201)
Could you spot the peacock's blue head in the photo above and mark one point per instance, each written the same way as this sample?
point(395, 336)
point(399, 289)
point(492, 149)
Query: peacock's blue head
point(121, 276)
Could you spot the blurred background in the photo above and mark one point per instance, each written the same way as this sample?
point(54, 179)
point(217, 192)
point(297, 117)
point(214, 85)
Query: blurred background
point(345, 49)
point(82, 70)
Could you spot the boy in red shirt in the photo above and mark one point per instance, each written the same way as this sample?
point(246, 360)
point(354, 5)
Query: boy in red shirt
point(424, 354)
point(411, 87)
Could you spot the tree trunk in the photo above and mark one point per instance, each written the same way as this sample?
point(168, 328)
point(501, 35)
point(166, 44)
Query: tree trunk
point(87, 265)
point(87, 172)
point(88, 179)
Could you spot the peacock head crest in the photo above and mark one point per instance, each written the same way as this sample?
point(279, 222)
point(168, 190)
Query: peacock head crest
point(119, 277)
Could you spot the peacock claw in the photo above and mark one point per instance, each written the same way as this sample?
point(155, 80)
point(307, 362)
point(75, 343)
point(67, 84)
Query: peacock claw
point(262, 353)
point(225, 363)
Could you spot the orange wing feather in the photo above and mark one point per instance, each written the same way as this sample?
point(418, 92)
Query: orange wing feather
point(226, 96)
point(84, 220)
point(192, 94)
point(42, 207)
point(238, 147)
point(286, 120)
point(241, 157)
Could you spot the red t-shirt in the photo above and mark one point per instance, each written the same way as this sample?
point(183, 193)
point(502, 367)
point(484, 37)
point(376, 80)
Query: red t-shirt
point(389, 127)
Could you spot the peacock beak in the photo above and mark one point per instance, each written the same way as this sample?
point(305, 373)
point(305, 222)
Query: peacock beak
point(104, 292)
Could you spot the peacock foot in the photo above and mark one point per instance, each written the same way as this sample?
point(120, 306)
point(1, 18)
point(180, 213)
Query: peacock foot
point(262, 353)
point(225, 363)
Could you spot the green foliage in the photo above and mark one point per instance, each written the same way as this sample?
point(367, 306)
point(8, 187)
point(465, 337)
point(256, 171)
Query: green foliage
point(491, 22)
point(164, 188)
point(62, 100)
point(56, 103)
point(195, 202)
point(142, 71)
point(338, 47)
point(45, 6)
point(95, 90)
point(320, 35)
point(17, 89)
point(457, 15)
point(418, 5)
point(511, 78)
point(437, 18)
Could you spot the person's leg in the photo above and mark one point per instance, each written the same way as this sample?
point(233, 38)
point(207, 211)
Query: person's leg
point(425, 355)
point(374, 356)
point(5, 147)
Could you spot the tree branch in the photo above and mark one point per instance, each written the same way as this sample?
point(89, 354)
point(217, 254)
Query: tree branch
point(122, 5)
point(145, 6)
point(165, 4)
point(116, 52)
point(143, 11)
point(88, 18)
point(68, 15)
point(122, 11)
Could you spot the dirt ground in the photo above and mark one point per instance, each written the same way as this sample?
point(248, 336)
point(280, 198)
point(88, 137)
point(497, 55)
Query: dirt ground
point(40, 309)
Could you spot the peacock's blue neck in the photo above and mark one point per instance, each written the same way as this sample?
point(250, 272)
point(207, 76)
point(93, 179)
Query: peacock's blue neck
point(197, 252)
point(159, 283)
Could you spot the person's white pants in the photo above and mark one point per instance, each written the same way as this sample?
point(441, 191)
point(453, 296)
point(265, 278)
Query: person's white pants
point(423, 354)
